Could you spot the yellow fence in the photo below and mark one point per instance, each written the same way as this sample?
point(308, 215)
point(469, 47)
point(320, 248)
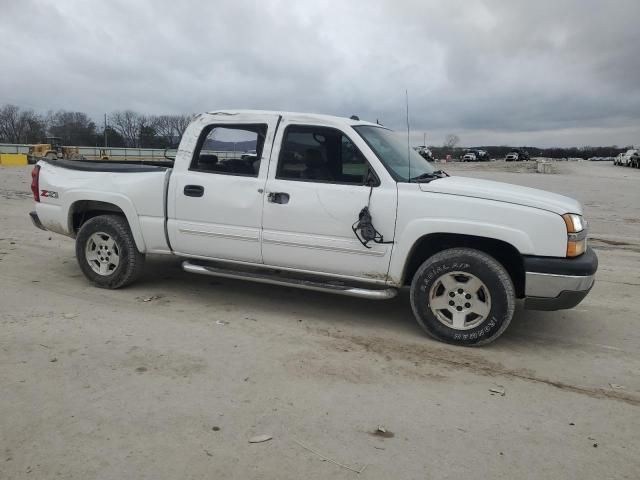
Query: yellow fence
point(13, 159)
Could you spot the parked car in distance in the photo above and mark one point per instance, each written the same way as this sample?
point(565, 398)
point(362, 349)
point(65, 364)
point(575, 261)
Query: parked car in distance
point(249, 154)
point(517, 154)
point(630, 158)
point(475, 155)
point(425, 152)
point(331, 204)
point(618, 159)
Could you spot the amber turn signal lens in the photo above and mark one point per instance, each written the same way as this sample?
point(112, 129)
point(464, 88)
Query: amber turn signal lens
point(576, 234)
point(576, 247)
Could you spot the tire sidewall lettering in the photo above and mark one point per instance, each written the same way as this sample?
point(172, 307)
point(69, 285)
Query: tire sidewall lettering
point(490, 278)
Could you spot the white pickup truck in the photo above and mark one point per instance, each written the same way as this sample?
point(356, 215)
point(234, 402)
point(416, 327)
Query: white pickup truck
point(325, 203)
point(631, 158)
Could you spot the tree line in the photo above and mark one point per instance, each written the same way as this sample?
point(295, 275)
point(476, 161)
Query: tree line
point(125, 128)
point(501, 151)
point(450, 147)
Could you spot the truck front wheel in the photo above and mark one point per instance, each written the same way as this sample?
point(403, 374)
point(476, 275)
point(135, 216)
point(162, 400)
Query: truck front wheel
point(463, 296)
point(107, 253)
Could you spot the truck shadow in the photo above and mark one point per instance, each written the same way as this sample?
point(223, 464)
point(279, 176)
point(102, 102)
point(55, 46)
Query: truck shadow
point(165, 276)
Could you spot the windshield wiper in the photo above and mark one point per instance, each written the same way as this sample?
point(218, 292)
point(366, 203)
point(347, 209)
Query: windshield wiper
point(428, 176)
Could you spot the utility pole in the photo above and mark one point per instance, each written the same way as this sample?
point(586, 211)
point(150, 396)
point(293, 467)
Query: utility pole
point(105, 130)
point(424, 139)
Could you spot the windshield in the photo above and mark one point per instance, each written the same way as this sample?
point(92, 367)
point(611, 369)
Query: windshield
point(403, 163)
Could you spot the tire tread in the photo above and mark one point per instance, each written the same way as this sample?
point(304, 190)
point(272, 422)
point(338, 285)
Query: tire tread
point(503, 277)
point(134, 260)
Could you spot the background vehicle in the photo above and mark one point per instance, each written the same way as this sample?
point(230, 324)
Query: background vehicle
point(629, 159)
point(249, 154)
point(618, 159)
point(517, 154)
point(52, 149)
point(425, 152)
point(330, 204)
point(476, 155)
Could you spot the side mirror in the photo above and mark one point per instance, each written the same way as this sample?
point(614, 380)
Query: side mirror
point(371, 180)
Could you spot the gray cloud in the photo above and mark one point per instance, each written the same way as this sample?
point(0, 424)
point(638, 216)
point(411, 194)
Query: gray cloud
point(519, 72)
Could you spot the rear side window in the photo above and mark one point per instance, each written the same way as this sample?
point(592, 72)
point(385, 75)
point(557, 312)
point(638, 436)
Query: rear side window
point(230, 150)
point(320, 154)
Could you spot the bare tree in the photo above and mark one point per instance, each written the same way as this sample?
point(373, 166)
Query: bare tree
point(180, 124)
point(74, 128)
point(18, 126)
point(9, 128)
point(171, 127)
point(163, 127)
point(129, 124)
point(451, 141)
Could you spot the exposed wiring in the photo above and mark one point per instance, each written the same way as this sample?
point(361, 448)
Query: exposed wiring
point(363, 228)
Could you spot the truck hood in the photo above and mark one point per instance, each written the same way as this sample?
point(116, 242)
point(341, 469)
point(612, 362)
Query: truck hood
point(503, 192)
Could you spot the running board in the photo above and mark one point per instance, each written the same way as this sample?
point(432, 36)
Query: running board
point(374, 294)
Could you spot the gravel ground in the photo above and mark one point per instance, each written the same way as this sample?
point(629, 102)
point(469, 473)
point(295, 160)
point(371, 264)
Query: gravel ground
point(170, 378)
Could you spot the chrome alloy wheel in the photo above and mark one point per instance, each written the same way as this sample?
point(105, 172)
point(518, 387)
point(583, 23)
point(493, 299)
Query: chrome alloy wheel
point(459, 300)
point(102, 253)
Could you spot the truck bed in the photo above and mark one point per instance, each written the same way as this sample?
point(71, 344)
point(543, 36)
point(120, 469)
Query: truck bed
point(119, 166)
point(136, 189)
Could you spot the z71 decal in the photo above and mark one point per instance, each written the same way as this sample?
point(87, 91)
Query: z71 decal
point(49, 193)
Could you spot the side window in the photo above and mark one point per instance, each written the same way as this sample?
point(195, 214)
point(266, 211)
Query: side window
point(354, 166)
point(320, 154)
point(230, 150)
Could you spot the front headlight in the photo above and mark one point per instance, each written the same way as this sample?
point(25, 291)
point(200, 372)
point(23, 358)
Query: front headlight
point(576, 234)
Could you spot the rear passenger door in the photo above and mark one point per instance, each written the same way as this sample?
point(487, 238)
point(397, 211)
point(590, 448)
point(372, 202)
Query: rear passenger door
point(316, 187)
point(218, 191)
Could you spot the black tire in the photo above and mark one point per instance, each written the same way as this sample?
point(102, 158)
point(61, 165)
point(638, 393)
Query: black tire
point(130, 260)
point(495, 279)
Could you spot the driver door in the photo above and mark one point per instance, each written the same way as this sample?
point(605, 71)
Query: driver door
point(314, 195)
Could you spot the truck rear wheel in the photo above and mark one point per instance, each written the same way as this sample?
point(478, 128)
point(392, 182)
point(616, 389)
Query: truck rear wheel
point(107, 253)
point(463, 296)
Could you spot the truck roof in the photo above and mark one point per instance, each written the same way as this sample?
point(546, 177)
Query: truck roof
point(330, 120)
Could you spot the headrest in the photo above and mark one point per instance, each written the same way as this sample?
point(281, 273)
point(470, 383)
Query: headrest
point(313, 158)
point(208, 159)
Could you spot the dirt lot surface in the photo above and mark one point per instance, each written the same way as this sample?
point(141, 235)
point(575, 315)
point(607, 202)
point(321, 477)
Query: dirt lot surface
point(168, 379)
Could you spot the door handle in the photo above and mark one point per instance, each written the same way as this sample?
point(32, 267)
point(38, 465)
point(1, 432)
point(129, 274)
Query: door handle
point(193, 190)
point(278, 197)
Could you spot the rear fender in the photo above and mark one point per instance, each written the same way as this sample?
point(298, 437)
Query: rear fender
point(120, 201)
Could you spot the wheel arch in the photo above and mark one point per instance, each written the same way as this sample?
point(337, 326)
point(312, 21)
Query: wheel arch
point(505, 253)
point(80, 211)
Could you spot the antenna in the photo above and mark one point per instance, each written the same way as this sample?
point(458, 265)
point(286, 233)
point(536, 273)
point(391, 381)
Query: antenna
point(406, 93)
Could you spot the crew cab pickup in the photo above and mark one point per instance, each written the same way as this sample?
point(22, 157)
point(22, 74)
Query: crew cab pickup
point(324, 203)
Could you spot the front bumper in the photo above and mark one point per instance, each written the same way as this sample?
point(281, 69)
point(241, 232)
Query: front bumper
point(558, 283)
point(36, 221)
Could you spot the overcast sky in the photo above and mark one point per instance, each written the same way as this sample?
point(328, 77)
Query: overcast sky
point(494, 72)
